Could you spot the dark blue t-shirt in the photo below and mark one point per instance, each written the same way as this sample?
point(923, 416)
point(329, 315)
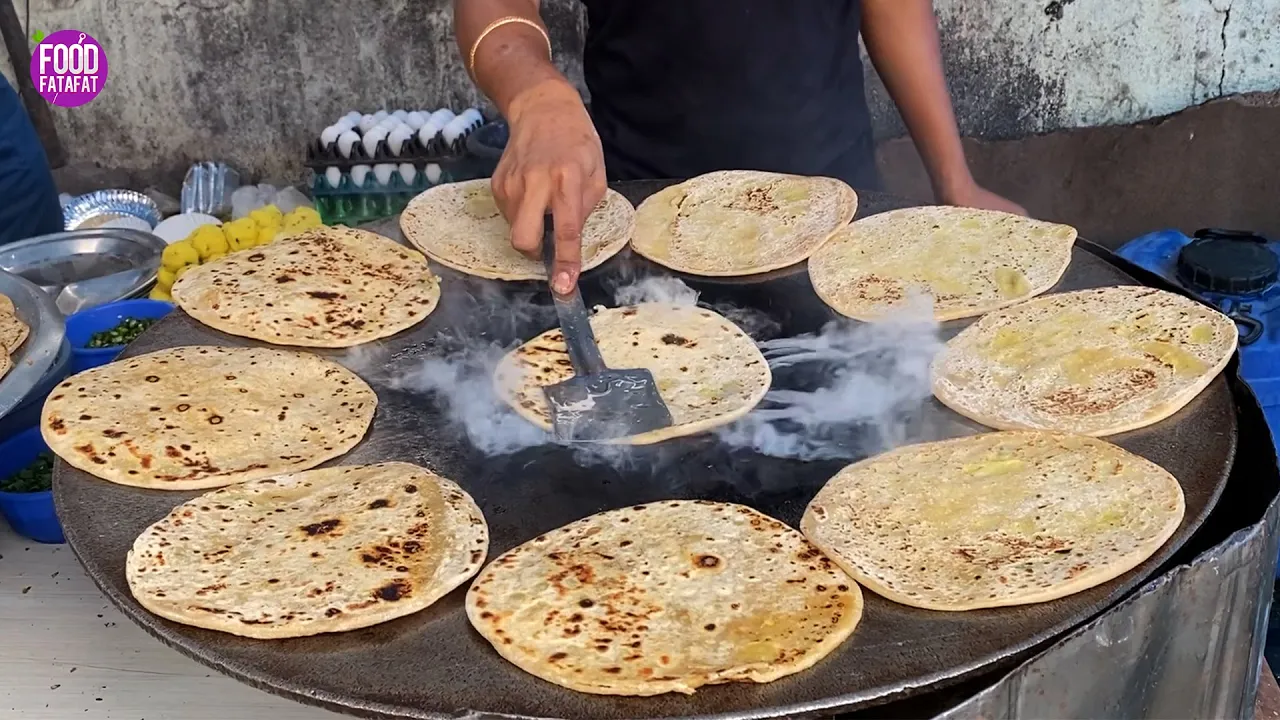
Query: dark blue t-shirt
point(684, 87)
point(28, 197)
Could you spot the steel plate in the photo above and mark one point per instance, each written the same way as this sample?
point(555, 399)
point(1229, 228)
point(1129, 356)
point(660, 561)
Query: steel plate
point(36, 354)
point(433, 665)
point(81, 269)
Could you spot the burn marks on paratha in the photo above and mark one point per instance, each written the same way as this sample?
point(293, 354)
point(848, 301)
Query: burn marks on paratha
point(324, 527)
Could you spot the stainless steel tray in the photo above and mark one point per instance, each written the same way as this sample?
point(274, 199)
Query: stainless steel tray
point(81, 269)
point(37, 353)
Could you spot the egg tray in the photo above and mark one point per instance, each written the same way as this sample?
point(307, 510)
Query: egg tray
point(320, 157)
point(351, 204)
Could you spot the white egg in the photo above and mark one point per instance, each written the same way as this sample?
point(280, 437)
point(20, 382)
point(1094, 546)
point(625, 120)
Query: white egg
point(366, 123)
point(397, 138)
point(359, 174)
point(474, 118)
point(381, 115)
point(454, 130)
point(442, 116)
point(345, 141)
point(400, 115)
point(408, 173)
point(344, 124)
point(415, 120)
point(354, 117)
point(371, 140)
point(333, 176)
point(428, 133)
point(433, 173)
point(383, 171)
point(330, 135)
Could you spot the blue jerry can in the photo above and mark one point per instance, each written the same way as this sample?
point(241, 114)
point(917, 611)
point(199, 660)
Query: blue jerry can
point(1236, 271)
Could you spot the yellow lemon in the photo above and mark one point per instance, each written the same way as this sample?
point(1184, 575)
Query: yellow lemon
point(241, 234)
point(268, 215)
point(165, 277)
point(159, 293)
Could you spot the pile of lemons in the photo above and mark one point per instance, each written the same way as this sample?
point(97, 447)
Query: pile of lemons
point(210, 242)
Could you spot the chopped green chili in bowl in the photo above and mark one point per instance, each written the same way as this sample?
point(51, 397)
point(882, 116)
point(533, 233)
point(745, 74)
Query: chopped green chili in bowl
point(36, 477)
point(122, 334)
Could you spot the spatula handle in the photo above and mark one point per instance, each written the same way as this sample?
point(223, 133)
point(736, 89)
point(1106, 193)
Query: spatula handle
point(575, 322)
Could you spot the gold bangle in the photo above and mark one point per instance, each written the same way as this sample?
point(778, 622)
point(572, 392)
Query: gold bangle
point(471, 58)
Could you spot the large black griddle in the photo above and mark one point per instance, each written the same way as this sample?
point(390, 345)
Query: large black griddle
point(433, 665)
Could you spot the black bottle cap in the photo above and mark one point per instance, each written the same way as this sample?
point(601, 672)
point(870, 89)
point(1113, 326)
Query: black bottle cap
point(1228, 263)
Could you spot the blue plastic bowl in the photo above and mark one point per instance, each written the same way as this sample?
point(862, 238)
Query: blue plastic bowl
point(82, 325)
point(31, 515)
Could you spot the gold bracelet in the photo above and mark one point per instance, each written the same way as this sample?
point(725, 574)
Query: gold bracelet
point(471, 59)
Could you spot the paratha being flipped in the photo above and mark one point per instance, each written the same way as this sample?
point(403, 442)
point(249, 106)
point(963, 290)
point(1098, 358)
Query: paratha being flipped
point(13, 331)
point(329, 287)
point(741, 222)
point(708, 371)
point(201, 416)
point(665, 597)
point(459, 226)
point(1094, 362)
point(311, 552)
point(995, 519)
point(969, 261)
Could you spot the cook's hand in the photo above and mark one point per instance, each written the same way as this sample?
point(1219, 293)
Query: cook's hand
point(974, 195)
point(552, 161)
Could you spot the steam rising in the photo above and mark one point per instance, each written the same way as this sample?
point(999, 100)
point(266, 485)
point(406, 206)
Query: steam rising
point(850, 390)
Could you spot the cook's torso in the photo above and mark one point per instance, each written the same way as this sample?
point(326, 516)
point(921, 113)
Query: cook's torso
point(683, 87)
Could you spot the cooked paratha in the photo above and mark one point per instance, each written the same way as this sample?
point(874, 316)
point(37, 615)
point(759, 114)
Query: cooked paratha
point(6, 364)
point(969, 261)
point(200, 416)
point(709, 372)
point(665, 597)
point(741, 222)
point(311, 552)
point(329, 287)
point(1094, 362)
point(994, 519)
point(13, 331)
point(459, 226)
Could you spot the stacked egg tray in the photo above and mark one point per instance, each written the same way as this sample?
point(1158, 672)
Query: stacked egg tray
point(363, 187)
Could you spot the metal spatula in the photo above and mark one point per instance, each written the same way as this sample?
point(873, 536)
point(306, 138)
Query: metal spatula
point(597, 403)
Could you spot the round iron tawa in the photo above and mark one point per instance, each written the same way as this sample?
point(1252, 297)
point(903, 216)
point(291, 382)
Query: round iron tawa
point(433, 665)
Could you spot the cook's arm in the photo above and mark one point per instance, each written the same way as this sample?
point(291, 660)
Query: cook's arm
point(513, 58)
point(902, 39)
point(553, 160)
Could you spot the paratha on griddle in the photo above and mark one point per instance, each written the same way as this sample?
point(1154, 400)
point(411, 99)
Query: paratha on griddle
point(202, 416)
point(665, 597)
point(708, 371)
point(995, 519)
point(459, 226)
point(741, 222)
point(311, 552)
point(329, 287)
point(969, 261)
point(1094, 362)
point(13, 331)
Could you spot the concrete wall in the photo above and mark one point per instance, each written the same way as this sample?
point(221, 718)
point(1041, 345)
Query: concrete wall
point(248, 81)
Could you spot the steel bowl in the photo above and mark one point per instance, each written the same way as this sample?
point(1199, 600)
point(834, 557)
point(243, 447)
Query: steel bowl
point(37, 353)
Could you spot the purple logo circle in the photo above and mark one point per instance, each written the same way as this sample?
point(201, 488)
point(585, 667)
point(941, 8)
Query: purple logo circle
point(68, 68)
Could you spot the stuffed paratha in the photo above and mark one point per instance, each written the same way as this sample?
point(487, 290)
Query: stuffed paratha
point(329, 287)
point(459, 226)
point(741, 222)
point(200, 416)
point(969, 261)
point(994, 519)
point(310, 552)
point(1094, 362)
point(665, 597)
point(708, 371)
